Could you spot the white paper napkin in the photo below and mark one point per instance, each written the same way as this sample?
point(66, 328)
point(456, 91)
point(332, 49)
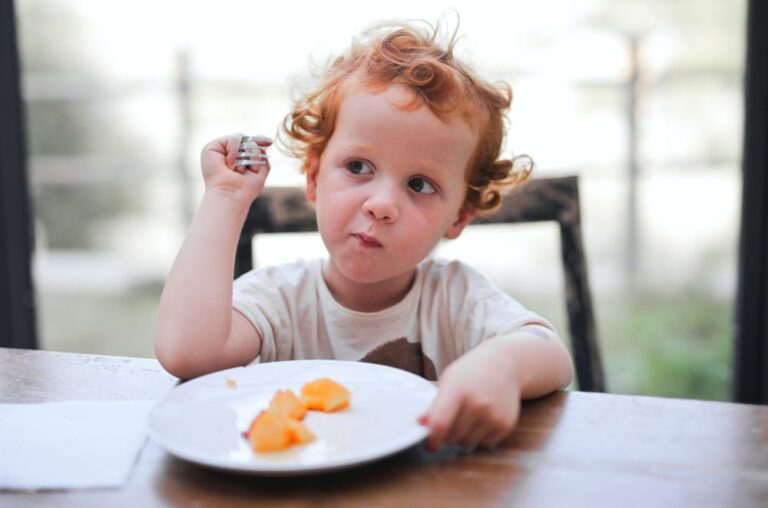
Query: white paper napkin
point(69, 445)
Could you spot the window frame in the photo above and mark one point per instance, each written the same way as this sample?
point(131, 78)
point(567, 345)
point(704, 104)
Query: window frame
point(750, 344)
point(17, 302)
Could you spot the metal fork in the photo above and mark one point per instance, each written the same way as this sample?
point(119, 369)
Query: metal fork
point(252, 152)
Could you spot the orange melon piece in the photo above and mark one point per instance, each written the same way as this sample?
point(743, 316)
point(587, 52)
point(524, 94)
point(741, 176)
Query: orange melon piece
point(269, 432)
point(285, 402)
point(300, 433)
point(325, 395)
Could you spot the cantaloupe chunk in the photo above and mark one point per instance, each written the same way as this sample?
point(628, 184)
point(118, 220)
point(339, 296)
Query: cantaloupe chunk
point(300, 433)
point(269, 432)
point(325, 395)
point(285, 402)
point(279, 426)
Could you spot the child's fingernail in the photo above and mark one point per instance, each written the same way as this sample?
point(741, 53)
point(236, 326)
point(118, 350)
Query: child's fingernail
point(423, 419)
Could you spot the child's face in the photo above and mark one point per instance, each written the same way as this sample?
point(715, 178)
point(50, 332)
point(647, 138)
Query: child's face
point(389, 185)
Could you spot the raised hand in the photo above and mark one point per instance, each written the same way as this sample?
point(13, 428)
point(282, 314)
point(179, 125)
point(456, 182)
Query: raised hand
point(220, 172)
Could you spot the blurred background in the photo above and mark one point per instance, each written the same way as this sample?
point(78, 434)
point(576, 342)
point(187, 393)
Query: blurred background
point(641, 99)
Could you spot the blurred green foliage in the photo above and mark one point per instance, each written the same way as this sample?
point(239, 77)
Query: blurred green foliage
point(670, 346)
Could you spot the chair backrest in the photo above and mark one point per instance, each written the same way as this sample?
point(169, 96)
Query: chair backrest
point(285, 209)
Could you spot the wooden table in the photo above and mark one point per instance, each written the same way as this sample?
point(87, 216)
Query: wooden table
point(569, 449)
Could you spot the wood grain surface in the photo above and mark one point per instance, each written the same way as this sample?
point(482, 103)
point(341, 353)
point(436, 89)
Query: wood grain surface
point(569, 449)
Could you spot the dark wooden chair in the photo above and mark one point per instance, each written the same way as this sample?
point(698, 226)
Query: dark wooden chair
point(285, 209)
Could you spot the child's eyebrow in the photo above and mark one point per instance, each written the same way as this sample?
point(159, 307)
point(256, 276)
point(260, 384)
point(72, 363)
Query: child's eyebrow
point(430, 167)
point(359, 147)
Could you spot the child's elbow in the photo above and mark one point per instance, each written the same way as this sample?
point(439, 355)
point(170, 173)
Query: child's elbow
point(172, 357)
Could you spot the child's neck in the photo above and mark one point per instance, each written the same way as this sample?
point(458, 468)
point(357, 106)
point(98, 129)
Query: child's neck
point(367, 296)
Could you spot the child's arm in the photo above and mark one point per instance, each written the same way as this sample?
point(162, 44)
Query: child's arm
point(197, 330)
point(478, 401)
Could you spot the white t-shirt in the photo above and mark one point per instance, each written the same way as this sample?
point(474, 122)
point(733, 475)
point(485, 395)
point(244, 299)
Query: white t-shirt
point(450, 309)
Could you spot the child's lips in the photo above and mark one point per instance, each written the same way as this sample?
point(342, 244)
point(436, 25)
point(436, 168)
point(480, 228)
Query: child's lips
point(367, 240)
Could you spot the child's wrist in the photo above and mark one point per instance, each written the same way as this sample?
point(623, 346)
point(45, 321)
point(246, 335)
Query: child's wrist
point(234, 201)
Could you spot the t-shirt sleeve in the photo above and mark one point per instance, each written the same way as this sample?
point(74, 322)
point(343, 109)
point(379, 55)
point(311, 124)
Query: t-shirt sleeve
point(260, 296)
point(497, 314)
point(487, 311)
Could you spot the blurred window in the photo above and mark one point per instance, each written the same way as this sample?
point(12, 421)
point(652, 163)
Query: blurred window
point(642, 99)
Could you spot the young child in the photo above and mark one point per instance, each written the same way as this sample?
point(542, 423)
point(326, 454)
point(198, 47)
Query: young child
point(400, 147)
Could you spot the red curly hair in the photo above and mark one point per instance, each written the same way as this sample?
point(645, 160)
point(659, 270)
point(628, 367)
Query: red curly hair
point(405, 55)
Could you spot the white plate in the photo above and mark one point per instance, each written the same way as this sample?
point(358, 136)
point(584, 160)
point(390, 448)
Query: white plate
point(203, 419)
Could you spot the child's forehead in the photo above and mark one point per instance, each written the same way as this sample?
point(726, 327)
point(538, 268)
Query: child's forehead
point(390, 97)
point(361, 102)
point(395, 108)
point(450, 105)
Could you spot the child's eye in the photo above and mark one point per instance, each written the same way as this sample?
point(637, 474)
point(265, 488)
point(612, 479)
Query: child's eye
point(359, 167)
point(421, 185)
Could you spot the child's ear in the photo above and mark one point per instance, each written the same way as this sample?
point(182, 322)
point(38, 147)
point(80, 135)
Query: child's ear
point(464, 217)
point(310, 191)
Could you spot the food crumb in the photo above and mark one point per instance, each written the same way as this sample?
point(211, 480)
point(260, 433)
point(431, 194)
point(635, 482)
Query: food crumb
point(231, 384)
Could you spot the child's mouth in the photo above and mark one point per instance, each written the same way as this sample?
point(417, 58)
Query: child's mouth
point(367, 241)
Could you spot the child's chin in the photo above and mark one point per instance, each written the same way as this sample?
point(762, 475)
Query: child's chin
point(364, 273)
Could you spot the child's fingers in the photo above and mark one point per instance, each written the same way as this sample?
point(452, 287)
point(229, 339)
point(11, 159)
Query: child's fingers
point(233, 145)
point(464, 424)
point(475, 435)
point(263, 142)
point(256, 177)
point(500, 429)
point(493, 438)
point(224, 148)
point(264, 165)
point(440, 419)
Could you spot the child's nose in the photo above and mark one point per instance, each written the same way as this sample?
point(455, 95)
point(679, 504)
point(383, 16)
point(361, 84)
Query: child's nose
point(382, 205)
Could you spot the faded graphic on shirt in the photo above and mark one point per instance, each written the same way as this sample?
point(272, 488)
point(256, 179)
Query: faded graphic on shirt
point(404, 355)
